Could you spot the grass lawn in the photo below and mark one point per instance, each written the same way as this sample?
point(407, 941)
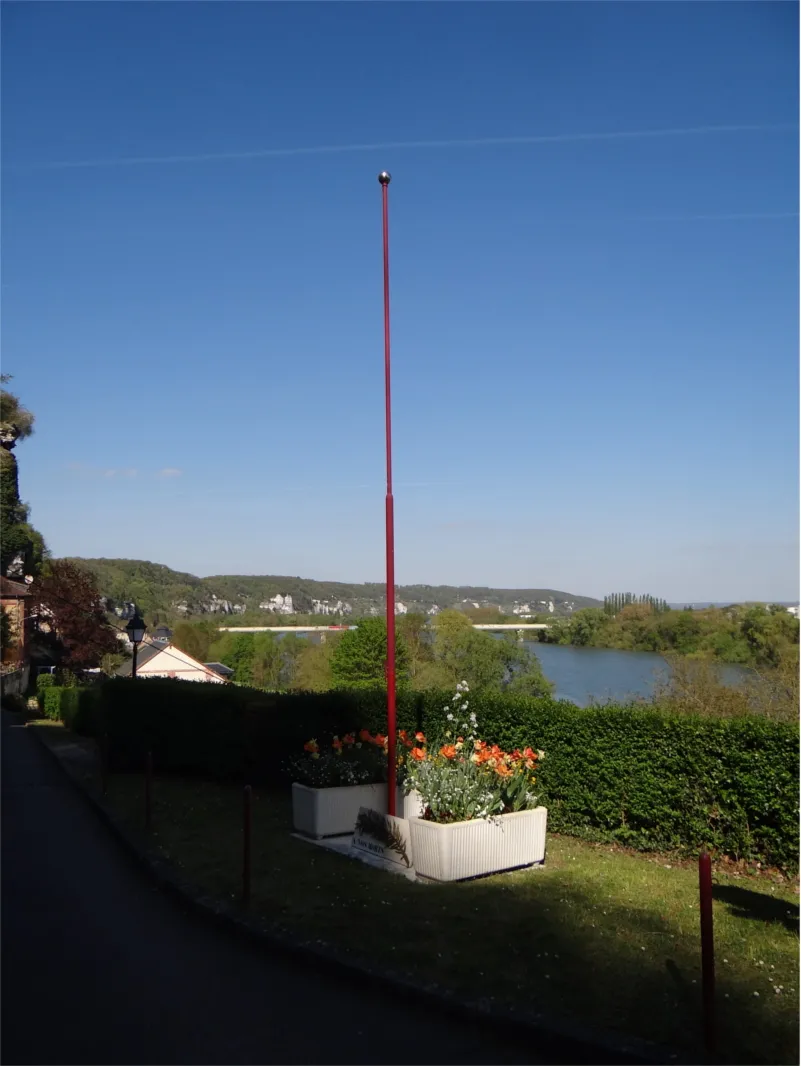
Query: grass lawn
point(598, 934)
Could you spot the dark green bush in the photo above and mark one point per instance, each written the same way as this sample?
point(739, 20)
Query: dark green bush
point(43, 683)
point(634, 775)
point(50, 701)
point(68, 707)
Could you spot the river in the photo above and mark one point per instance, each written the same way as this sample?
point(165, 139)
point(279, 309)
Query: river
point(599, 675)
point(586, 675)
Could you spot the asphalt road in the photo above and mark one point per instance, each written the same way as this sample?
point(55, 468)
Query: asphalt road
point(99, 966)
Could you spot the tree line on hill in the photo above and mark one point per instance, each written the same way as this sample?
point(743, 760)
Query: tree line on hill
point(165, 596)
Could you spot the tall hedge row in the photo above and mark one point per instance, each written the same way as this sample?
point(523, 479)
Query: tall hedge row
point(634, 775)
point(60, 703)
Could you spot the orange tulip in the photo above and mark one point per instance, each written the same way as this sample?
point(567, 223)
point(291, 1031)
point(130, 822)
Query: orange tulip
point(365, 736)
point(448, 750)
point(418, 754)
point(420, 737)
point(311, 745)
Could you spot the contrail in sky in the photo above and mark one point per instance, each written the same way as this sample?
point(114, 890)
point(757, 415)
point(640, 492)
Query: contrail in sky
point(393, 146)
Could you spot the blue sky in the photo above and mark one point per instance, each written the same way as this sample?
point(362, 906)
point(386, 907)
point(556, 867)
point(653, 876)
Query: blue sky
point(594, 337)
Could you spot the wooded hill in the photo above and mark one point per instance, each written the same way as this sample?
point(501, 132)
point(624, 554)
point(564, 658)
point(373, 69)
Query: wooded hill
point(157, 589)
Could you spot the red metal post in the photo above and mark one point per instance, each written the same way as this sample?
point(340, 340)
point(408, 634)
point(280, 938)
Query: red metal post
point(384, 178)
point(707, 949)
point(247, 823)
point(149, 790)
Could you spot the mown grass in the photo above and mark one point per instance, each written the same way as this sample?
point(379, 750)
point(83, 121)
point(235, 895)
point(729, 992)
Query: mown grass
point(597, 934)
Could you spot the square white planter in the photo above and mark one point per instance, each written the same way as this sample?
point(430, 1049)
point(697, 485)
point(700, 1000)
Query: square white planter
point(483, 846)
point(327, 812)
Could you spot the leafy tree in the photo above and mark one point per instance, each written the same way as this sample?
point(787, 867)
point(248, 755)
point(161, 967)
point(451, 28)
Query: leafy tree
point(292, 649)
point(413, 632)
point(361, 654)
point(19, 541)
point(312, 667)
point(586, 625)
point(462, 653)
point(267, 666)
point(769, 635)
point(484, 615)
point(236, 650)
point(16, 421)
point(524, 674)
point(196, 638)
point(471, 656)
point(68, 611)
point(451, 623)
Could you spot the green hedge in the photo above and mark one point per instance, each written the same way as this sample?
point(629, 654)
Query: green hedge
point(61, 703)
point(43, 683)
point(50, 702)
point(634, 775)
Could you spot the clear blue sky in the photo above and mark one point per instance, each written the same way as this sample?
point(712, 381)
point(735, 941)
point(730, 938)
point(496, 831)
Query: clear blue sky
point(594, 337)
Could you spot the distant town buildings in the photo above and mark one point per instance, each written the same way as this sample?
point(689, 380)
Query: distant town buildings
point(278, 604)
point(326, 607)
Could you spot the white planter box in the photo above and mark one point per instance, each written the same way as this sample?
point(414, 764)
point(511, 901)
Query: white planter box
point(327, 812)
point(483, 846)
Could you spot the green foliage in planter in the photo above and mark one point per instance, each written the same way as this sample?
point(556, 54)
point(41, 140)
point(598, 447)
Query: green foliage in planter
point(634, 775)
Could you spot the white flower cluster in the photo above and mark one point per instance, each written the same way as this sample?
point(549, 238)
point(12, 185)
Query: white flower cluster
point(459, 698)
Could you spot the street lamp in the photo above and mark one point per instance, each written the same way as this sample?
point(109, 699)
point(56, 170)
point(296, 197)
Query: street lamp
point(136, 630)
point(384, 179)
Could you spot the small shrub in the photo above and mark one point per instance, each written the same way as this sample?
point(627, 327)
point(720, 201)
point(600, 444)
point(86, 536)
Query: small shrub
point(43, 683)
point(69, 706)
point(50, 702)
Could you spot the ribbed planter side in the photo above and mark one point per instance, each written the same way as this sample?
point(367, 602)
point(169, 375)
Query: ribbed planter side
point(483, 846)
point(327, 812)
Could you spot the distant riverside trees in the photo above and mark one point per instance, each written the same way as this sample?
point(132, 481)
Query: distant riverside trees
point(615, 603)
point(427, 656)
point(751, 634)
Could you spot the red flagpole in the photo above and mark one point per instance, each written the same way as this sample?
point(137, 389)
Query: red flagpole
point(384, 178)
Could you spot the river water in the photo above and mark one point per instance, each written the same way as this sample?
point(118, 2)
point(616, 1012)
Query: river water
point(600, 675)
point(586, 675)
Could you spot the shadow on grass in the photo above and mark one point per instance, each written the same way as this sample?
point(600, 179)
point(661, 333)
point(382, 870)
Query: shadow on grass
point(744, 903)
point(587, 938)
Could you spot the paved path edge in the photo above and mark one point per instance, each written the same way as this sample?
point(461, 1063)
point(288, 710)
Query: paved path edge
point(571, 1041)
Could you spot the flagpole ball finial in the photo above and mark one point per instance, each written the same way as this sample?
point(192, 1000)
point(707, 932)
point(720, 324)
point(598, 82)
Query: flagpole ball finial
point(385, 177)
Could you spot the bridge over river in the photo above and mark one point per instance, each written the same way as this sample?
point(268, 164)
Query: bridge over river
point(513, 627)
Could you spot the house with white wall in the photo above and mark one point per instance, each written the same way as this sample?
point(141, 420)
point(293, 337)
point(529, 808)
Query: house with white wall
point(165, 660)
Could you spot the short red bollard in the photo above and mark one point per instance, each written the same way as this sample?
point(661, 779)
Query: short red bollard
point(247, 823)
point(149, 790)
point(707, 949)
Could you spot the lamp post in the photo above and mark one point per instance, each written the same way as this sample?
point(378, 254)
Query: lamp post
point(136, 630)
point(384, 179)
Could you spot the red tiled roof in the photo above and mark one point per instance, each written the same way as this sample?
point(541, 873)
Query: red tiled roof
point(12, 589)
